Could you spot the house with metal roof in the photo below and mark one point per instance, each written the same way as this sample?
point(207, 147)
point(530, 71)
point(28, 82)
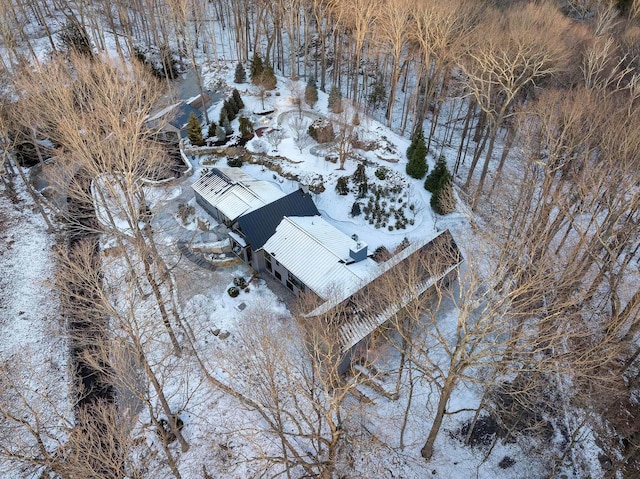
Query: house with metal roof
point(253, 229)
point(285, 236)
point(228, 193)
point(308, 255)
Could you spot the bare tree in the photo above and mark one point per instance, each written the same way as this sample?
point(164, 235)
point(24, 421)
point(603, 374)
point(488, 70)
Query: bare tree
point(299, 132)
point(512, 57)
point(96, 111)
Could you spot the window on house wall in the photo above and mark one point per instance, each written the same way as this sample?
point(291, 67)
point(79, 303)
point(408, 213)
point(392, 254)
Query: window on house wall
point(295, 281)
point(278, 275)
point(269, 267)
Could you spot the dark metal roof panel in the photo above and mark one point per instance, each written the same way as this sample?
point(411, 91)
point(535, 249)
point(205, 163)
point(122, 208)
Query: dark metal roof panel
point(181, 115)
point(259, 225)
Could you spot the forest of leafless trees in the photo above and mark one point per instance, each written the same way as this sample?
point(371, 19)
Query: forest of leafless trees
point(543, 98)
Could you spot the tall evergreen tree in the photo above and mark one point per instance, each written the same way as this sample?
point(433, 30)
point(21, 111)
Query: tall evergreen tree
point(440, 184)
point(417, 156)
point(238, 99)
point(267, 78)
point(257, 68)
point(335, 99)
point(211, 131)
point(443, 200)
point(240, 75)
point(434, 180)
point(194, 131)
point(311, 92)
point(224, 115)
point(231, 107)
point(418, 137)
point(377, 92)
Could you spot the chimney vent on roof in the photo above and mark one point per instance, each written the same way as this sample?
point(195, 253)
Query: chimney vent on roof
point(358, 252)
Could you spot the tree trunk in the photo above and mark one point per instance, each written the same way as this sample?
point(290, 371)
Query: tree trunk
point(485, 169)
point(445, 394)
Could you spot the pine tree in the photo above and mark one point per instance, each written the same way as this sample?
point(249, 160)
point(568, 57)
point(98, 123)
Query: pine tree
point(434, 179)
point(231, 107)
point(440, 184)
point(360, 175)
point(238, 99)
point(418, 137)
point(240, 75)
point(417, 155)
point(246, 129)
point(342, 185)
point(194, 131)
point(221, 135)
point(211, 131)
point(335, 99)
point(256, 68)
point(443, 201)
point(224, 115)
point(226, 124)
point(268, 78)
point(378, 92)
point(311, 92)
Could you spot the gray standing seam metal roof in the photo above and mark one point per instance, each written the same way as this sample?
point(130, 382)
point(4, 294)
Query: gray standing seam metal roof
point(259, 225)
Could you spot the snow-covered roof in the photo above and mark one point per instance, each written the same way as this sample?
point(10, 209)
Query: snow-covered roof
point(317, 253)
point(165, 111)
point(233, 192)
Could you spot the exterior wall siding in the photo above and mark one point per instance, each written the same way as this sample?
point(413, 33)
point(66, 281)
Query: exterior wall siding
point(215, 214)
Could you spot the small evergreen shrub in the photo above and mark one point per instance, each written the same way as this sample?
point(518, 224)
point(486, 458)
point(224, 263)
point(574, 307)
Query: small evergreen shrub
point(240, 282)
point(355, 209)
point(381, 254)
point(240, 75)
point(246, 129)
point(342, 185)
point(381, 173)
point(234, 162)
point(233, 291)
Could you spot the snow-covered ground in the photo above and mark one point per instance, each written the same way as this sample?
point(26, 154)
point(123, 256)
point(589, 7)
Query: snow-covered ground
point(226, 437)
point(34, 362)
